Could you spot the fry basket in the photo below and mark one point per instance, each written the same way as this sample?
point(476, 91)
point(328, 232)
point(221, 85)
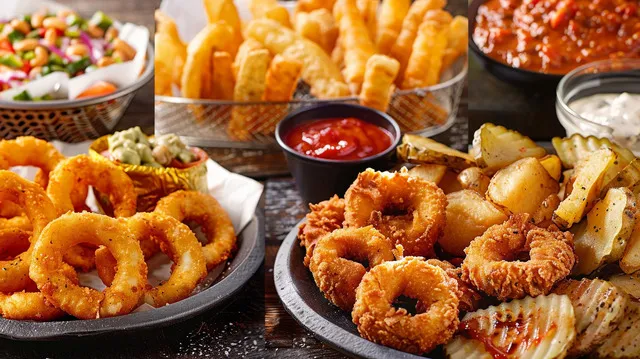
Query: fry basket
point(71, 120)
point(206, 123)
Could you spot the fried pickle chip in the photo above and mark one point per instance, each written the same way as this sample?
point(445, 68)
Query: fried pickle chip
point(624, 341)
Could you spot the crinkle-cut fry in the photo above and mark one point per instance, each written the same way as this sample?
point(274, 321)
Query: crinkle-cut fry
point(319, 27)
point(337, 55)
point(270, 9)
point(318, 69)
point(281, 83)
point(392, 13)
point(311, 5)
point(457, 42)
point(225, 10)
point(170, 41)
point(378, 86)
point(330, 89)
point(196, 77)
point(369, 12)
point(423, 68)
point(223, 80)
point(358, 46)
point(250, 87)
point(247, 46)
point(401, 50)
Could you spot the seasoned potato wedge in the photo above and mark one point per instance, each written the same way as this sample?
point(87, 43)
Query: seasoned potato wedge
point(543, 216)
point(433, 173)
point(603, 236)
point(422, 150)
point(598, 306)
point(449, 182)
point(630, 261)
point(496, 147)
point(474, 179)
point(522, 186)
point(553, 165)
point(628, 177)
point(532, 328)
point(624, 341)
point(572, 150)
point(468, 215)
point(586, 186)
point(628, 283)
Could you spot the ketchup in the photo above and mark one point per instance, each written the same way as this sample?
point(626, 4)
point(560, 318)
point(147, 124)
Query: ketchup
point(339, 139)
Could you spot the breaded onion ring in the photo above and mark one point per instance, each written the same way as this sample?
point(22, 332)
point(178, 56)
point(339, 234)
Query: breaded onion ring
point(207, 212)
point(324, 218)
point(14, 274)
point(408, 210)
point(492, 264)
point(379, 321)
point(468, 295)
point(85, 303)
point(335, 265)
point(178, 242)
point(13, 241)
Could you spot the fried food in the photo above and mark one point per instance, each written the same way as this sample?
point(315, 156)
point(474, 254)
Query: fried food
point(270, 9)
point(225, 10)
point(543, 216)
point(17, 222)
point(491, 265)
point(178, 242)
point(318, 26)
point(576, 148)
point(421, 150)
point(37, 207)
point(223, 81)
point(282, 79)
point(598, 306)
point(474, 179)
point(457, 41)
point(392, 13)
point(425, 62)
point(207, 212)
point(324, 218)
point(170, 54)
point(428, 172)
point(378, 87)
point(553, 165)
point(31, 151)
point(337, 257)
point(630, 261)
point(13, 241)
point(379, 321)
point(536, 328)
point(624, 341)
point(628, 283)
point(408, 210)
point(82, 302)
point(81, 257)
point(468, 295)
point(369, 13)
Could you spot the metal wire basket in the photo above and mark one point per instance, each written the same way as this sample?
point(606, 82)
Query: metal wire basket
point(208, 123)
point(71, 120)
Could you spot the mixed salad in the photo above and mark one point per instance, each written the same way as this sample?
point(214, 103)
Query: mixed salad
point(36, 45)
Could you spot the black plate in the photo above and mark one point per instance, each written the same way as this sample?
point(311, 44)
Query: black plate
point(241, 268)
point(503, 71)
point(306, 304)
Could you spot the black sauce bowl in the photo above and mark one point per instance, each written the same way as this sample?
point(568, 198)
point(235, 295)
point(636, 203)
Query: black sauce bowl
point(503, 71)
point(318, 179)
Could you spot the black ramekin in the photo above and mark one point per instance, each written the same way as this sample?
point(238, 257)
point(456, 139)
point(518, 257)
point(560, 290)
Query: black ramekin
point(318, 179)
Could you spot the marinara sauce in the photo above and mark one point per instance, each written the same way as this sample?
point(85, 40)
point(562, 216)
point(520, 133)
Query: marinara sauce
point(339, 139)
point(556, 36)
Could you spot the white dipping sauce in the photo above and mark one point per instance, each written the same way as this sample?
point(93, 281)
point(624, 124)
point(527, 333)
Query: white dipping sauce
point(620, 112)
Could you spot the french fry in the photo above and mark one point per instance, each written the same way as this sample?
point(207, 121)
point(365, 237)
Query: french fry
point(225, 10)
point(423, 68)
point(282, 79)
point(196, 77)
point(163, 62)
point(357, 44)
point(311, 5)
point(401, 50)
point(319, 27)
point(457, 42)
point(318, 70)
point(369, 12)
point(392, 12)
point(250, 87)
point(378, 86)
point(270, 9)
point(174, 51)
point(337, 55)
point(247, 46)
point(223, 79)
point(330, 89)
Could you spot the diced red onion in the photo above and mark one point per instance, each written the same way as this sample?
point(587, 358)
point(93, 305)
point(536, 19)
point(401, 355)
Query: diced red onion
point(87, 41)
point(55, 50)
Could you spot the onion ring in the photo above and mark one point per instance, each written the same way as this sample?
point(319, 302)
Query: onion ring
point(379, 321)
point(334, 266)
point(469, 296)
point(207, 212)
point(324, 218)
point(13, 241)
point(408, 210)
point(178, 242)
point(491, 263)
point(14, 275)
point(85, 303)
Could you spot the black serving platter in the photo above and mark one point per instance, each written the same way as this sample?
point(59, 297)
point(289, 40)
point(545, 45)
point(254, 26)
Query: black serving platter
point(503, 71)
point(239, 270)
point(306, 304)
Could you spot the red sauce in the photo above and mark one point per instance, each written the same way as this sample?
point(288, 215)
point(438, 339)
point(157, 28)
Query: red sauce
point(556, 36)
point(339, 139)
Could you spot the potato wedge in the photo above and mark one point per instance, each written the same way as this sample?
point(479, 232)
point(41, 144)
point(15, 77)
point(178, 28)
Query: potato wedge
point(624, 341)
point(450, 183)
point(630, 261)
point(468, 215)
point(543, 216)
point(433, 173)
point(603, 236)
point(222, 78)
point(474, 179)
point(496, 147)
point(628, 283)
point(598, 306)
point(522, 186)
point(585, 190)
point(577, 147)
point(553, 165)
point(422, 150)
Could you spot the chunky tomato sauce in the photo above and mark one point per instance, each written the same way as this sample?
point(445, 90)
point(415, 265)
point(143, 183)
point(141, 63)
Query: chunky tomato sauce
point(339, 139)
point(556, 36)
